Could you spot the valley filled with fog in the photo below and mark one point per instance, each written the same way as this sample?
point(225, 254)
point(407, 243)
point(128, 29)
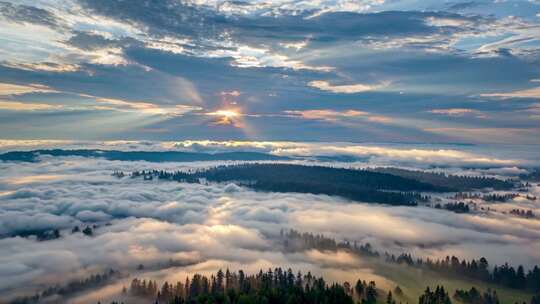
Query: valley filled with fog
point(165, 230)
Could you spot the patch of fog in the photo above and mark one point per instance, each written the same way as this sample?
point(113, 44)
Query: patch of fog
point(218, 226)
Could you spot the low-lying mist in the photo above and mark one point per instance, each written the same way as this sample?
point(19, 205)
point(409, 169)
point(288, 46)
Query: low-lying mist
point(204, 227)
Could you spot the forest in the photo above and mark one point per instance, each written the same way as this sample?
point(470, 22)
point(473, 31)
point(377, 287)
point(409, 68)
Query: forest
point(285, 286)
point(476, 269)
point(357, 185)
point(150, 156)
point(453, 183)
point(458, 207)
point(491, 197)
point(394, 188)
point(533, 176)
point(272, 286)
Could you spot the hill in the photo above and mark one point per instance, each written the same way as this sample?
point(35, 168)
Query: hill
point(150, 156)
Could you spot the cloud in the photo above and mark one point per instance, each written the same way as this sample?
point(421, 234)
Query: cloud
point(331, 115)
point(442, 21)
point(44, 66)
point(233, 93)
point(93, 216)
point(489, 134)
point(245, 56)
point(527, 93)
point(172, 53)
point(145, 107)
point(458, 112)
point(27, 14)
point(520, 39)
point(27, 106)
point(17, 222)
point(94, 41)
point(218, 225)
point(326, 114)
point(345, 89)
point(19, 89)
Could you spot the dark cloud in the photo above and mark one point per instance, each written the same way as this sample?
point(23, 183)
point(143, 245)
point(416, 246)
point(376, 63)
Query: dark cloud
point(106, 81)
point(463, 5)
point(27, 14)
point(163, 17)
point(201, 23)
point(92, 41)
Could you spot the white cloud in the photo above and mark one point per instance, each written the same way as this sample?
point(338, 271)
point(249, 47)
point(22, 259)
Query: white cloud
point(458, 112)
point(276, 8)
point(19, 89)
point(455, 22)
point(326, 114)
point(246, 56)
point(143, 107)
point(345, 89)
point(27, 106)
point(297, 46)
point(332, 115)
point(44, 66)
point(527, 93)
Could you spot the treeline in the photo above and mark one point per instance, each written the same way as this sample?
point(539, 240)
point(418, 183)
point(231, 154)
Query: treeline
point(150, 156)
point(71, 288)
point(88, 230)
point(39, 234)
point(458, 207)
point(492, 197)
point(523, 213)
point(474, 296)
point(503, 198)
point(51, 234)
point(295, 241)
point(453, 183)
point(284, 286)
point(532, 176)
point(357, 185)
point(272, 286)
point(437, 296)
point(504, 275)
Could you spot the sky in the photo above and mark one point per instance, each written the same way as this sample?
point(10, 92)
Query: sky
point(406, 71)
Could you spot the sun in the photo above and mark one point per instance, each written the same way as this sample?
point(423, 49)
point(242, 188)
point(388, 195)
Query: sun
point(225, 113)
point(229, 117)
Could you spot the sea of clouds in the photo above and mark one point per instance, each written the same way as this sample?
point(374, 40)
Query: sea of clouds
point(221, 225)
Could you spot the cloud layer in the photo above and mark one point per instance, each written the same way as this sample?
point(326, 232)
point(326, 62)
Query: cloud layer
point(211, 226)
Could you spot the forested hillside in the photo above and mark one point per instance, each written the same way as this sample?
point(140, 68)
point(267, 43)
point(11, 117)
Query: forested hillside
point(151, 156)
point(389, 186)
point(357, 185)
point(448, 181)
